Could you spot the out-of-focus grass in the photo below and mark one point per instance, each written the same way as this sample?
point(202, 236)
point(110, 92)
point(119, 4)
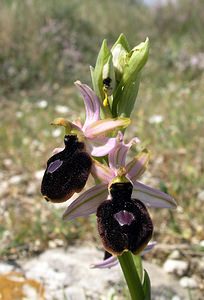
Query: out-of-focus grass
point(177, 145)
point(54, 41)
point(45, 46)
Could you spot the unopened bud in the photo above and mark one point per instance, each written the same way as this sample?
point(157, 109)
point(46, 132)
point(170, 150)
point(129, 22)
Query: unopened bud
point(126, 93)
point(120, 52)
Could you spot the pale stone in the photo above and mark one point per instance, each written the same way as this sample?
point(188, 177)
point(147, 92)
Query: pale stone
point(5, 268)
point(188, 282)
point(74, 293)
point(16, 179)
point(31, 189)
point(176, 298)
point(178, 267)
point(52, 244)
point(3, 188)
point(7, 162)
point(201, 196)
point(30, 293)
point(174, 255)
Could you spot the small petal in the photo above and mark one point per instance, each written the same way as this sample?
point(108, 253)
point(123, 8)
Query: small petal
point(102, 146)
point(107, 263)
point(103, 126)
point(87, 203)
point(91, 103)
point(138, 165)
point(113, 261)
point(118, 155)
point(102, 172)
point(149, 247)
point(152, 197)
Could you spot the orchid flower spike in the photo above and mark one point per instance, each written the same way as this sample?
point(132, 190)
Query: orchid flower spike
point(94, 131)
point(88, 202)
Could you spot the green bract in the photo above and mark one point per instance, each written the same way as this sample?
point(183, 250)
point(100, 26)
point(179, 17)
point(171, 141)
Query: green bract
point(97, 72)
point(126, 92)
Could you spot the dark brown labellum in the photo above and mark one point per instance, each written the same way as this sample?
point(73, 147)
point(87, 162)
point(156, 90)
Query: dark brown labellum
point(123, 223)
point(67, 171)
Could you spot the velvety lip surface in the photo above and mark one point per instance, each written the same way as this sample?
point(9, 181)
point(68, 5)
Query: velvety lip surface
point(124, 217)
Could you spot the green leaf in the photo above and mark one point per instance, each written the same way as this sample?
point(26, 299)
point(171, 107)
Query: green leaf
point(138, 264)
point(147, 286)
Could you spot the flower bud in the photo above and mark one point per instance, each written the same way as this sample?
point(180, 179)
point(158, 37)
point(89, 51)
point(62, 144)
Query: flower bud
point(138, 58)
point(126, 92)
point(120, 52)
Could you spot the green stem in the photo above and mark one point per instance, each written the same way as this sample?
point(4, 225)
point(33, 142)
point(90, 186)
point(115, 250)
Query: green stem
point(131, 276)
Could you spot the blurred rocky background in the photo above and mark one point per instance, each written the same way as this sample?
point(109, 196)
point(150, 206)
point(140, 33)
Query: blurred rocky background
point(44, 47)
